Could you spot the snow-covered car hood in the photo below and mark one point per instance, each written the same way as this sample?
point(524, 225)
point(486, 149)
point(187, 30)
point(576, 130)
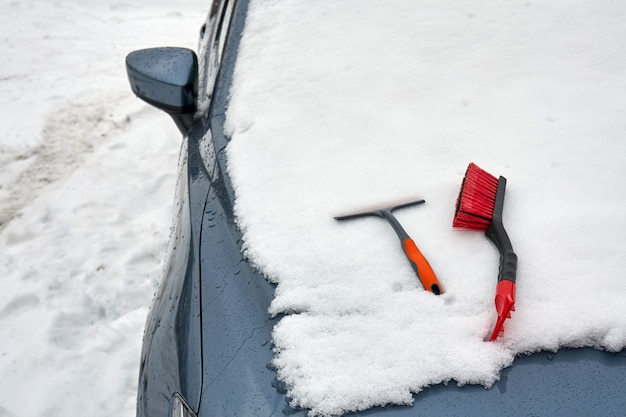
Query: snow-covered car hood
point(345, 105)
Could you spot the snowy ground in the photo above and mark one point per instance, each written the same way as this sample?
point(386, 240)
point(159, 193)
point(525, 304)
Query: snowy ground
point(87, 175)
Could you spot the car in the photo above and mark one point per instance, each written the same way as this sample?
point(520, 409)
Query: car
point(207, 348)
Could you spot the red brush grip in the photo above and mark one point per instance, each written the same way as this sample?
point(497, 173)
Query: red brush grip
point(505, 303)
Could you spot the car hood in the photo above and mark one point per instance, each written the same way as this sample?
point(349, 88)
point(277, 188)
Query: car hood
point(316, 125)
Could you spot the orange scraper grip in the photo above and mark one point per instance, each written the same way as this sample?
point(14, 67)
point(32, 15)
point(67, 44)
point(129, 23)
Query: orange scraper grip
point(421, 267)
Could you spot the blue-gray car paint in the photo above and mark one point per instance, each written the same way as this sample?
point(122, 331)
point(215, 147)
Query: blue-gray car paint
point(208, 335)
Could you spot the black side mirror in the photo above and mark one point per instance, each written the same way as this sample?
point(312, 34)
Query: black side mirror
point(166, 78)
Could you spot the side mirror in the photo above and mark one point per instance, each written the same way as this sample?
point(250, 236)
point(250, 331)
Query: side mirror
point(166, 78)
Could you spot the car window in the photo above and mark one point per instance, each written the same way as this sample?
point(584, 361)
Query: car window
point(211, 47)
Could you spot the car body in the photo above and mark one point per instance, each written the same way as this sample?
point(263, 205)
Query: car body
point(207, 346)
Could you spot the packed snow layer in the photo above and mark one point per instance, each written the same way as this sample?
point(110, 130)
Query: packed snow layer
point(87, 181)
point(344, 105)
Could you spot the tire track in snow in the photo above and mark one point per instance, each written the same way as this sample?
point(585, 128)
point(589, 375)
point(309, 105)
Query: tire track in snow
point(69, 134)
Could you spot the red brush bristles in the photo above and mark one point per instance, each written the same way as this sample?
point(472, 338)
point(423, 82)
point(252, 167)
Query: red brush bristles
point(474, 206)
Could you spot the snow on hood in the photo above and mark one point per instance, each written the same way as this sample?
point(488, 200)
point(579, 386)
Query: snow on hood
point(345, 105)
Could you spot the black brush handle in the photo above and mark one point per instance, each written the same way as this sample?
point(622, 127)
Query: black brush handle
point(497, 234)
point(508, 259)
point(505, 290)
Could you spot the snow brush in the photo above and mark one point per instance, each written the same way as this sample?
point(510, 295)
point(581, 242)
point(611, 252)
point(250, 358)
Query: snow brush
point(479, 207)
point(419, 263)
